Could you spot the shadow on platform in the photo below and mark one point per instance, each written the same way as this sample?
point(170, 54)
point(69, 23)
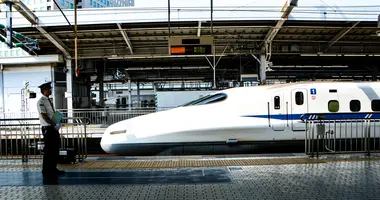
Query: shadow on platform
point(180, 176)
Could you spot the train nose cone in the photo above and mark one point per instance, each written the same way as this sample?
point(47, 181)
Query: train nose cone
point(105, 146)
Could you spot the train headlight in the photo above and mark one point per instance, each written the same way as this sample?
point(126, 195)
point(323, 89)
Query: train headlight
point(118, 132)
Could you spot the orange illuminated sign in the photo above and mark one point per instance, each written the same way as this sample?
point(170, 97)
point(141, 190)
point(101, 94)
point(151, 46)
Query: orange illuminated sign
point(177, 50)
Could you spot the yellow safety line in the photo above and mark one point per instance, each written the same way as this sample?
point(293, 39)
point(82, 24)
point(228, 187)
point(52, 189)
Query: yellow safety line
point(179, 163)
point(186, 163)
point(354, 160)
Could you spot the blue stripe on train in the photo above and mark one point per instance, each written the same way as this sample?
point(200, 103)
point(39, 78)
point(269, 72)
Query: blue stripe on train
point(320, 116)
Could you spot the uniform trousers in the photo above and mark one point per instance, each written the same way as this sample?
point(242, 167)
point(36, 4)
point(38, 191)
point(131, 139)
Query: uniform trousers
point(51, 149)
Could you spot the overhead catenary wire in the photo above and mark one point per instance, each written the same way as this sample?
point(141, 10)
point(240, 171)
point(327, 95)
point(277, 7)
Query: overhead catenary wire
point(327, 5)
point(62, 12)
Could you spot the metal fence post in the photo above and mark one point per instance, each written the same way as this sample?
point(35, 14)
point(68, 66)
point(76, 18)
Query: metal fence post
point(368, 139)
point(23, 144)
point(306, 139)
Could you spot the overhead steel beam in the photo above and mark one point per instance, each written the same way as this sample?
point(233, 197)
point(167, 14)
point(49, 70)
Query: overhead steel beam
point(342, 33)
point(274, 30)
point(126, 38)
point(33, 19)
point(56, 41)
point(288, 9)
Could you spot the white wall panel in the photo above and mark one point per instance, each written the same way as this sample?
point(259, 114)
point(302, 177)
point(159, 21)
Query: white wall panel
point(14, 79)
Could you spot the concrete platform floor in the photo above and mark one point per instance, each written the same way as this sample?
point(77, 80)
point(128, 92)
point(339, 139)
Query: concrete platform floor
point(344, 177)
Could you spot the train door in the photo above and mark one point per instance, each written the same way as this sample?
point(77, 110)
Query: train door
point(299, 106)
point(277, 116)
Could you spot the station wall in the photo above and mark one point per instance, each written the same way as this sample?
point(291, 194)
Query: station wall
point(14, 78)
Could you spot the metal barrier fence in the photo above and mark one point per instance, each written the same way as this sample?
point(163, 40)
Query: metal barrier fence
point(18, 115)
point(106, 116)
point(342, 133)
point(22, 138)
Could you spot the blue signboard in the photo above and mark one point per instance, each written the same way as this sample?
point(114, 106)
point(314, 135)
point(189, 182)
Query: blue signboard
point(313, 91)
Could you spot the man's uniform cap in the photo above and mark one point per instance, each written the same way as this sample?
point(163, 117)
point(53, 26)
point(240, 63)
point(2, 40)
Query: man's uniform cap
point(45, 85)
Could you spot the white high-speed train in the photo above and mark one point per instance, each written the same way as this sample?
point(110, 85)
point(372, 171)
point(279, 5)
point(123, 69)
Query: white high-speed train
point(240, 120)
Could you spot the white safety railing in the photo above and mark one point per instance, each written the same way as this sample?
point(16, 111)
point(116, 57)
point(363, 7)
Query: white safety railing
point(328, 133)
point(21, 138)
point(108, 116)
point(103, 116)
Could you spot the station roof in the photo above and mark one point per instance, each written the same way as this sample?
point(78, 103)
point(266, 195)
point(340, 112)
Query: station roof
point(149, 40)
point(142, 47)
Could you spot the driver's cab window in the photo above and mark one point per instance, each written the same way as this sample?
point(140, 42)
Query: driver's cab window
point(208, 99)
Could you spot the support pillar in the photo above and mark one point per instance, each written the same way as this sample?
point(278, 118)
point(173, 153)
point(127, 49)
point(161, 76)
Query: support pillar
point(213, 65)
point(129, 94)
point(69, 88)
point(2, 88)
point(214, 78)
point(101, 87)
point(263, 67)
point(214, 69)
point(155, 94)
point(138, 95)
point(89, 94)
point(154, 88)
point(9, 24)
point(239, 79)
point(54, 91)
point(374, 73)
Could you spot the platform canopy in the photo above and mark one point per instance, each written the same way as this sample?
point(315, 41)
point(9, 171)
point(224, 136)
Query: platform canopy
point(137, 38)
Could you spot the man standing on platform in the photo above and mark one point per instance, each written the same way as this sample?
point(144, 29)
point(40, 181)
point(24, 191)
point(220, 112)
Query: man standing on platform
point(50, 132)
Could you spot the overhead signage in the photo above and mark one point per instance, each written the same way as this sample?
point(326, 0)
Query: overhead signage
point(191, 45)
point(191, 50)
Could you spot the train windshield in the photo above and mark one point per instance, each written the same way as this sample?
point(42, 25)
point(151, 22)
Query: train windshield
point(207, 99)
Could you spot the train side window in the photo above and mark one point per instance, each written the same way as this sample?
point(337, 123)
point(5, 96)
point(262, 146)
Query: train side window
point(355, 105)
point(299, 98)
point(276, 102)
point(375, 105)
point(333, 106)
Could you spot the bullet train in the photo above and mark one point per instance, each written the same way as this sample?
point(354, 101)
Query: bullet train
point(240, 120)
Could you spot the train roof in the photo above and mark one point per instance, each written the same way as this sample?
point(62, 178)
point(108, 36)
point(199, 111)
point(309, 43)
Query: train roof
point(299, 84)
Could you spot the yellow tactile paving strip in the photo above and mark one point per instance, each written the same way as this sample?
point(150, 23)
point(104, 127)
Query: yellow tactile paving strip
point(353, 160)
point(178, 163)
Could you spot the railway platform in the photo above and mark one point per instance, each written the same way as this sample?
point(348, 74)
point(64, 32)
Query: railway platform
point(264, 176)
